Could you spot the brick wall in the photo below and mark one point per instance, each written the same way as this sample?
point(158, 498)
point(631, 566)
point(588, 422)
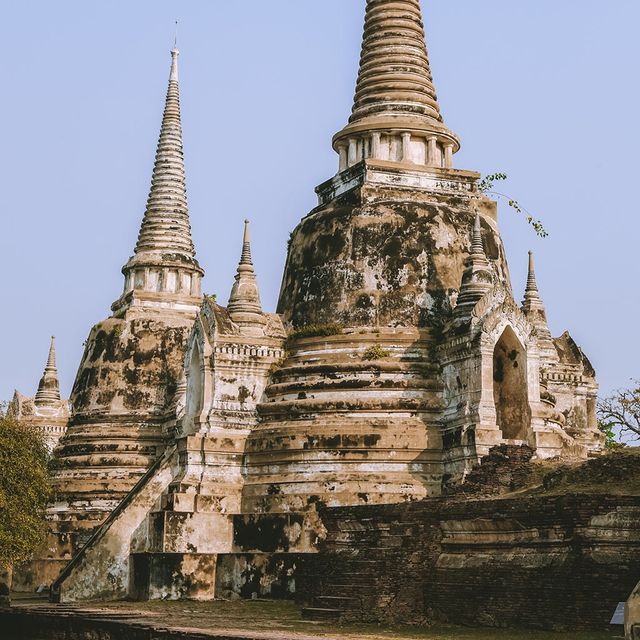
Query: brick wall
point(548, 562)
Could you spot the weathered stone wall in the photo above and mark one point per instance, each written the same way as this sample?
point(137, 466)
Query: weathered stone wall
point(548, 562)
point(349, 418)
point(123, 398)
point(385, 256)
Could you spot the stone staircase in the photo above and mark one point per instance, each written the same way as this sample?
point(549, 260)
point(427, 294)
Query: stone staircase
point(360, 574)
point(350, 589)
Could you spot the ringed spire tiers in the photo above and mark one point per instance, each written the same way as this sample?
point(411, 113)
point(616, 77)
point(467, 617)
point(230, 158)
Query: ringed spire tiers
point(396, 116)
point(244, 307)
point(164, 268)
point(476, 278)
point(49, 386)
point(532, 304)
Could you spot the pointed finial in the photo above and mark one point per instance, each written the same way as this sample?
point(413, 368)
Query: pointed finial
point(175, 39)
point(244, 302)
point(245, 258)
point(49, 387)
point(51, 360)
point(533, 306)
point(477, 248)
point(173, 76)
point(476, 278)
point(532, 285)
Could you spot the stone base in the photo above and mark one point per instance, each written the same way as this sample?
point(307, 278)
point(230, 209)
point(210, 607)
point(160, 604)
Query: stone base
point(173, 576)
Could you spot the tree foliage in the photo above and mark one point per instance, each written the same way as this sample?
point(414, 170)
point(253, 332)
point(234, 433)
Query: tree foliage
point(24, 490)
point(487, 186)
point(620, 412)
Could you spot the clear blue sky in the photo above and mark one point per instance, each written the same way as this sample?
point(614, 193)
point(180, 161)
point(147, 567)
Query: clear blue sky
point(544, 90)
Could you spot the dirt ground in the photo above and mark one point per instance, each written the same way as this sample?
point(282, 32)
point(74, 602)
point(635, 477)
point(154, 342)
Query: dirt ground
point(270, 620)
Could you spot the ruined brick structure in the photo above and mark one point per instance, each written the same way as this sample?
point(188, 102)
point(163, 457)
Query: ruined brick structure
point(398, 357)
point(559, 562)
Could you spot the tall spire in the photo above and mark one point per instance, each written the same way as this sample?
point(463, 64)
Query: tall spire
point(244, 305)
point(164, 263)
point(49, 387)
point(396, 115)
point(166, 220)
point(532, 304)
point(476, 279)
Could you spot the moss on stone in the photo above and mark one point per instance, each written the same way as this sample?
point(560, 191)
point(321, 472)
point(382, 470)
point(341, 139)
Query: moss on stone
point(317, 330)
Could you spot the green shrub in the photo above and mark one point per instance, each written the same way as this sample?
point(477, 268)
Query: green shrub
point(376, 352)
point(24, 490)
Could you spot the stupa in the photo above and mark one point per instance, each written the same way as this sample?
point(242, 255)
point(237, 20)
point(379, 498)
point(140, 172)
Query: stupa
point(398, 357)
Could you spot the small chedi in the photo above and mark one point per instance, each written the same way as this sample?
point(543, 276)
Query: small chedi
point(203, 438)
point(46, 411)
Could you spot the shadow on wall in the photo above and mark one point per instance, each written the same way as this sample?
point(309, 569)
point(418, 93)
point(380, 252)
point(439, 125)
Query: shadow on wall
point(510, 390)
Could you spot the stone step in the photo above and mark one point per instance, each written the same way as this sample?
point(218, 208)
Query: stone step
point(355, 578)
point(318, 613)
point(347, 590)
point(336, 602)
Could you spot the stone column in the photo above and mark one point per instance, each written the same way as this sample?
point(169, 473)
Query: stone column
point(342, 152)
point(433, 160)
point(406, 147)
point(448, 156)
point(353, 151)
point(195, 285)
point(375, 145)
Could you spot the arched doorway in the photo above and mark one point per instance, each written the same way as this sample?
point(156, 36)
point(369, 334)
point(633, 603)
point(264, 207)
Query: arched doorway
point(510, 390)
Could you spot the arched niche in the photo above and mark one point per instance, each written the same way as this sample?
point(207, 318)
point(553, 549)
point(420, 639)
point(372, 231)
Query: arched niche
point(195, 387)
point(510, 387)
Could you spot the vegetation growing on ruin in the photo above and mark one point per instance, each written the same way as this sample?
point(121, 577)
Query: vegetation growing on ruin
point(317, 330)
point(486, 186)
point(24, 490)
point(376, 352)
point(619, 414)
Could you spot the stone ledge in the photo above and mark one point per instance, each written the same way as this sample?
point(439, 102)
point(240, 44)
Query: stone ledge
point(392, 174)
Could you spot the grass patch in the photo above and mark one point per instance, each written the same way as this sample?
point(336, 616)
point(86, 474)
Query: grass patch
point(317, 331)
point(376, 352)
